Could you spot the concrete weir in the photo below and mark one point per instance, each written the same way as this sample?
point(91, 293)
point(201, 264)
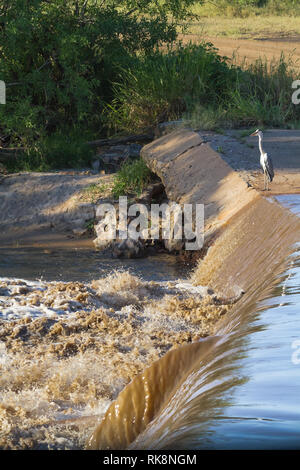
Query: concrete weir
point(222, 171)
point(255, 238)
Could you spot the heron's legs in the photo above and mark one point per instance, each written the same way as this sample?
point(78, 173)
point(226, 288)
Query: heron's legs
point(264, 180)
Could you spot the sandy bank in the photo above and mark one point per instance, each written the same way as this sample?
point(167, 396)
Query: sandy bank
point(250, 49)
point(42, 209)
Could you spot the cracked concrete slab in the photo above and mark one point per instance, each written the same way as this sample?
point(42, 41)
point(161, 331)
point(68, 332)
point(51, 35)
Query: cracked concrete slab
point(222, 171)
point(162, 152)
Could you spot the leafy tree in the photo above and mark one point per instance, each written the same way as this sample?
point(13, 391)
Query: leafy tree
point(59, 58)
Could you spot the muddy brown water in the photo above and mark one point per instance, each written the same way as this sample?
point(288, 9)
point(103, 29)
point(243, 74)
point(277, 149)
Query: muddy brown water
point(83, 265)
point(245, 394)
point(239, 388)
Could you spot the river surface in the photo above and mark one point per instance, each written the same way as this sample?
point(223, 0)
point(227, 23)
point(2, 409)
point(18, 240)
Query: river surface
point(244, 395)
point(247, 393)
point(82, 265)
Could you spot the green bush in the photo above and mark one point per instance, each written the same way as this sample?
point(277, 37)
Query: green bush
point(131, 178)
point(194, 81)
point(163, 85)
point(76, 70)
point(59, 58)
point(60, 150)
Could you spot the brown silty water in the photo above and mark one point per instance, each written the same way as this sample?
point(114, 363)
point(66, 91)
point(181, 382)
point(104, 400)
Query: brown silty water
point(69, 348)
point(84, 345)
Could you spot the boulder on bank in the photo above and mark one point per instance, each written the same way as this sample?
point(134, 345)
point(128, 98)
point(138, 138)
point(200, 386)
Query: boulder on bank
point(128, 249)
point(110, 158)
point(167, 127)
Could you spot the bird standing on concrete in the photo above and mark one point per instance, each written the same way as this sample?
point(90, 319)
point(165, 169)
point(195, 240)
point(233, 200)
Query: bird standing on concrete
point(265, 161)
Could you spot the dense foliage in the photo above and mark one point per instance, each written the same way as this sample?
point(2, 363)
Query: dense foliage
point(59, 58)
point(75, 69)
point(195, 82)
point(164, 85)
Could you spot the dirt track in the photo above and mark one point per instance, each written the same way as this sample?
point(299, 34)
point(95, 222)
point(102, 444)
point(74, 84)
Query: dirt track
point(252, 49)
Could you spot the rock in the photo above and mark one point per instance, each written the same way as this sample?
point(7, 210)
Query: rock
point(78, 226)
point(165, 128)
point(96, 165)
point(118, 148)
point(105, 230)
point(160, 154)
point(79, 231)
point(152, 191)
point(133, 151)
point(111, 161)
point(193, 172)
point(101, 244)
point(111, 157)
point(173, 245)
point(128, 249)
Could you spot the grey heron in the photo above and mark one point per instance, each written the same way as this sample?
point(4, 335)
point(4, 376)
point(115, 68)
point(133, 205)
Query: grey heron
point(265, 161)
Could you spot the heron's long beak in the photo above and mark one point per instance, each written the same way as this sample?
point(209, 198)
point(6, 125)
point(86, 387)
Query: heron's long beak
point(253, 134)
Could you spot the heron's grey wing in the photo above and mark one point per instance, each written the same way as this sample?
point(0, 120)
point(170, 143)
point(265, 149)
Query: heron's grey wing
point(269, 167)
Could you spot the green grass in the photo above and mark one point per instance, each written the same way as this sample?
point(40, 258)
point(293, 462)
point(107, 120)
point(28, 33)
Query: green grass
point(166, 84)
point(195, 83)
point(260, 26)
point(192, 82)
point(132, 177)
point(95, 191)
point(206, 118)
point(244, 9)
point(262, 95)
point(234, 19)
point(64, 149)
